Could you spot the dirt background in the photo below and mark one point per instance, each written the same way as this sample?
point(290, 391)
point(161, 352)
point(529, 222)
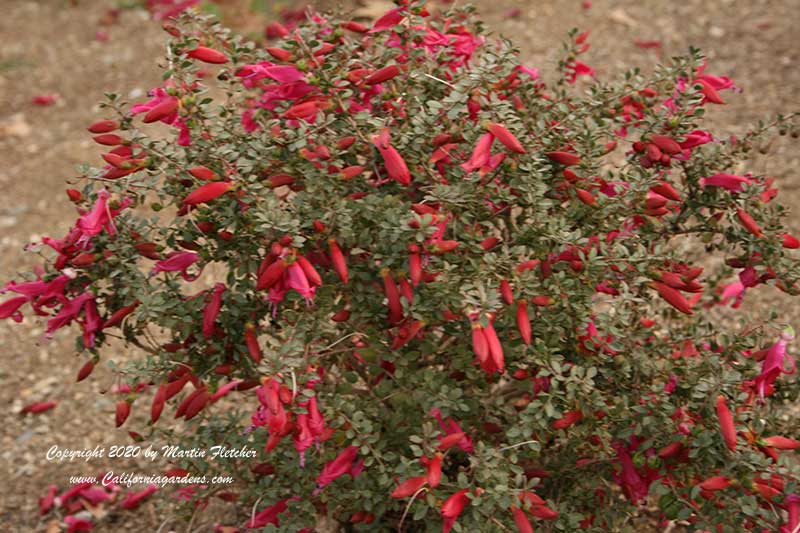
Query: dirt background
point(52, 47)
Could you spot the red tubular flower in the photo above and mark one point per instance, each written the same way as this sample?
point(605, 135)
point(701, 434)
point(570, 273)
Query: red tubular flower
point(395, 164)
point(270, 275)
point(392, 297)
point(726, 424)
point(479, 344)
point(135, 499)
point(435, 471)
point(670, 450)
point(122, 412)
point(251, 339)
point(414, 265)
point(781, 443)
point(212, 310)
point(203, 173)
point(388, 20)
point(452, 507)
point(85, 371)
point(338, 261)
point(495, 348)
point(728, 182)
point(543, 512)
point(408, 487)
point(673, 297)
point(448, 441)
point(197, 404)
point(10, 308)
point(666, 144)
point(506, 137)
point(103, 126)
point(38, 407)
point(523, 321)
point(178, 262)
point(206, 193)
point(585, 196)
point(337, 467)
point(108, 139)
point(710, 93)
point(305, 110)
point(159, 399)
point(521, 520)
point(564, 158)
point(354, 26)
point(46, 503)
point(164, 108)
point(119, 315)
point(715, 483)
point(381, 75)
point(311, 273)
point(569, 419)
point(480, 154)
point(789, 241)
point(506, 292)
point(667, 191)
point(748, 222)
point(208, 55)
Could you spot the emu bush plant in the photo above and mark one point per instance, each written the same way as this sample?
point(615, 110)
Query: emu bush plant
point(432, 289)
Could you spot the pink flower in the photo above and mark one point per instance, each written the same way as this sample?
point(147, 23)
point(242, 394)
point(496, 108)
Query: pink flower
point(296, 279)
point(774, 363)
point(531, 72)
point(696, 138)
point(732, 292)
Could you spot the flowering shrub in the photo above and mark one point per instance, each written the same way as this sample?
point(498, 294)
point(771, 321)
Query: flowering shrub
point(432, 289)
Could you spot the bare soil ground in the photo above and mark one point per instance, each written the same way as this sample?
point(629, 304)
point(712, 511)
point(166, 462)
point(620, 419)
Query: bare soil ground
point(49, 46)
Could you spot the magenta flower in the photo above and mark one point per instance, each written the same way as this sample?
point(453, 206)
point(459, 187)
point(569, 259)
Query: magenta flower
point(10, 308)
point(159, 97)
point(774, 363)
point(177, 262)
point(733, 292)
point(92, 323)
point(68, 313)
point(728, 182)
